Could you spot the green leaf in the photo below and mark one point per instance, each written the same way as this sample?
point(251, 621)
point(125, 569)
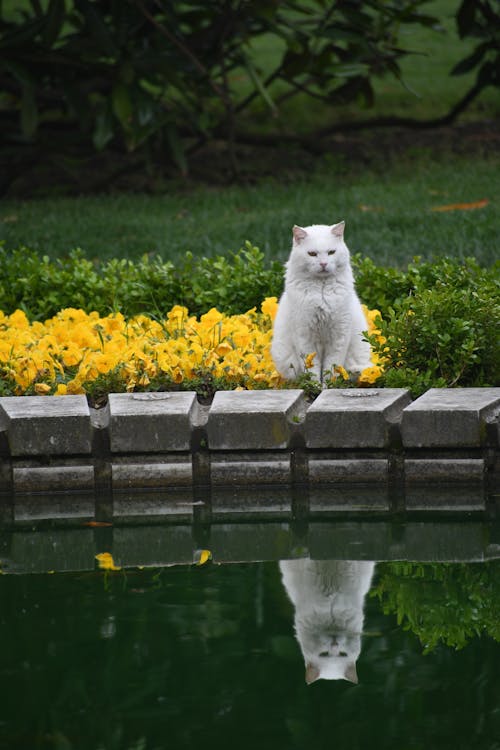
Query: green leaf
point(53, 21)
point(104, 130)
point(259, 85)
point(29, 111)
point(177, 148)
point(122, 104)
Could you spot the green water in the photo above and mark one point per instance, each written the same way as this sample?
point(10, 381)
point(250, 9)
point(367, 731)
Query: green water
point(205, 657)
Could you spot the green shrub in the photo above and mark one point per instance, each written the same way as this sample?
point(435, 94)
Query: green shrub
point(41, 287)
point(382, 287)
point(444, 336)
point(439, 320)
point(449, 603)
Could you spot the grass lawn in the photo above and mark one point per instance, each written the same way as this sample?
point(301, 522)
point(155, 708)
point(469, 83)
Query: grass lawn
point(388, 211)
point(385, 195)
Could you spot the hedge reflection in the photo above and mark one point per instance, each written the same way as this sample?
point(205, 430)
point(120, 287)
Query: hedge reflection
point(446, 603)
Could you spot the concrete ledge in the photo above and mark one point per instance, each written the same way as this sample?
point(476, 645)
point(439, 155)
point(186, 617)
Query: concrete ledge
point(36, 426)
point(23, 550)
point(433, 470)
point(254, 420)
point(271, 438)
point(334, 470)
point(354, 418)
point(450, 418)
point(151, 422)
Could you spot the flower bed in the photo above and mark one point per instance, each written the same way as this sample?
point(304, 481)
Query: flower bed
point(76, 352)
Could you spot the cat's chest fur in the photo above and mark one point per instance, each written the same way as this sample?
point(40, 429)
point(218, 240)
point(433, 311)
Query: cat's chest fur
point(318, 307)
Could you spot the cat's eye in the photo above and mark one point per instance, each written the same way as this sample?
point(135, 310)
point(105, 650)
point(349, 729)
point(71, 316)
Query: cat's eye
point(312, 253)
point(331, 252)
point(324, 654)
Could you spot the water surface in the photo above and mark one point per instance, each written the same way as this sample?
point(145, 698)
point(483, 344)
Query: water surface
point(205, 656)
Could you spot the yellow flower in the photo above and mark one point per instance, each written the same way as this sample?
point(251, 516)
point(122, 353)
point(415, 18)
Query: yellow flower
point(370, 375)
point(270, 307)
point(309, 360)
point(339, 370)
point(42, 389)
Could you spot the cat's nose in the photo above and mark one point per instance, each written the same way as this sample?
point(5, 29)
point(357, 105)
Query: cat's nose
point(323, 264)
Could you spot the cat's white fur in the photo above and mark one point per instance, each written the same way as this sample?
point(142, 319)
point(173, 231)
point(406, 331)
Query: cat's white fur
point(328, 596)
point(319, 310)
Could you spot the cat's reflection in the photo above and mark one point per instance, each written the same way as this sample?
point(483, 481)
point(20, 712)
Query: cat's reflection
point(328, 596)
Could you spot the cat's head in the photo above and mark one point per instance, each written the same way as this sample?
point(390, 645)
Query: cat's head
point(331, 656)
point(319, 251)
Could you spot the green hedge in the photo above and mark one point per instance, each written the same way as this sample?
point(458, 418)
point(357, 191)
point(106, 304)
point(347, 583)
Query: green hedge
point(439, 320)
point(41, 286)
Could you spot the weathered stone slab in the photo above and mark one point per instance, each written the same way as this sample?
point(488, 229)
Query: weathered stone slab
point(348, 498)
point(451, 418)
point(55, 507)
point(138, 475)
point(53, 478)
point(444, 541)
point(254, 420)
point(444, 470)
point(56, 549)
point(144, 545)
point(250, 542)
point(453, 497)
point(154, 506)
point(244, 473)
point(253, 504)
point(40, 425)
point(350, 540)
point(354, 418)
point(323, 470)
point(151, 422)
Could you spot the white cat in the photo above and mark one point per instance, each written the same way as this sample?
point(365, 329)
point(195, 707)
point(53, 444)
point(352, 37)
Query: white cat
point(328, 596)
point(319, 310)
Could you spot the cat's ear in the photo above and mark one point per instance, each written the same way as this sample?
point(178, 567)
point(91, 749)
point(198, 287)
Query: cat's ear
point(312, 673)
point(350, 674)
point(299, 234)
point(338, 229)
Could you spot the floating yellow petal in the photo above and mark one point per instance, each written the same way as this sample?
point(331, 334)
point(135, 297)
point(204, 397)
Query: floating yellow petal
point(106, 562)
point(201, 556)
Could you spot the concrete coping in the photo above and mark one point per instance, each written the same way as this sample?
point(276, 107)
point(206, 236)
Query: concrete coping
point(252, 421)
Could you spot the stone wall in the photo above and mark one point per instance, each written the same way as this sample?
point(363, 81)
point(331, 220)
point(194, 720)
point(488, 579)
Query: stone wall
point(256, 454)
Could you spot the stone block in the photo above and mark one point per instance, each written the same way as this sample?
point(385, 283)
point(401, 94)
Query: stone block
point(440, 541)
point(146, 546)
point(452, 497)
point(58, 550)
point(149, 506)
point(347, 498)
point(151, 422)
point(232, 472)
point(153, 475)
point(449, 418)
point(350, 540)
point(60, 507)
point(42, 425)
point(433, 470)
point(354, 418)
point(53, 478)
point(250, 504)
point(250, 542)
point(254, 420)
point(333, 470)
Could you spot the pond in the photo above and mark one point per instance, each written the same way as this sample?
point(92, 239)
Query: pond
point(215, 655)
